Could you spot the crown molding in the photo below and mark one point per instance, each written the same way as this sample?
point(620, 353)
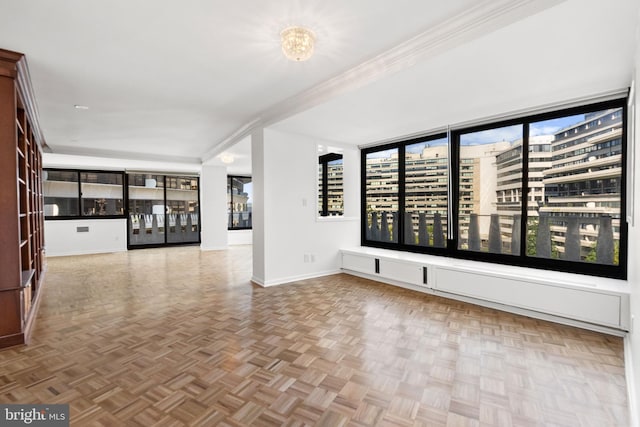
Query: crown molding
point(14, 65)
point(483, 18)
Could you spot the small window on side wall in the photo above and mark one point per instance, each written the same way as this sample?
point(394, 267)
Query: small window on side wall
point(239, 202)
point(330, 187)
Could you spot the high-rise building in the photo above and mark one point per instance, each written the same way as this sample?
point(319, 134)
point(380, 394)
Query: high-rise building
point(584, 180)
point(509, 189)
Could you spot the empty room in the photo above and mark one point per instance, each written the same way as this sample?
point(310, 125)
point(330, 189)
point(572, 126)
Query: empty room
point(320, 213)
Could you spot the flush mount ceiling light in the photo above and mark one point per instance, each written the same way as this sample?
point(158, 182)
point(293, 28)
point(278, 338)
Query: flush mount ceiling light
point(297, 43)
point(226, 158)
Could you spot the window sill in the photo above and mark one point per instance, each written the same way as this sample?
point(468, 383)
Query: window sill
point(336, 218)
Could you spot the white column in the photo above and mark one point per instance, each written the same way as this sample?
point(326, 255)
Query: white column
point(213, 207)
point(258, 208)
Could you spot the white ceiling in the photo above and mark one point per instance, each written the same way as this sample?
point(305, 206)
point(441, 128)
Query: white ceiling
point(184, 81)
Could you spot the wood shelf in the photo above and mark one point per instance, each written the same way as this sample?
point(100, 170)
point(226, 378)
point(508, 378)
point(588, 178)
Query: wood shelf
point(21, 253)
point(19, 126)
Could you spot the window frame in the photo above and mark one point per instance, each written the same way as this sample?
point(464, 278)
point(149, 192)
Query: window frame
point(78, 173)
point(230, 185)
point(522, 259)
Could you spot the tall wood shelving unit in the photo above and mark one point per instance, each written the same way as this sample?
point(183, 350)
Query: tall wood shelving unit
point(22, 259)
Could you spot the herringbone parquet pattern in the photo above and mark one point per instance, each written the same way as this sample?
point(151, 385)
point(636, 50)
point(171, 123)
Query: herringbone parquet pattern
point(176, 336)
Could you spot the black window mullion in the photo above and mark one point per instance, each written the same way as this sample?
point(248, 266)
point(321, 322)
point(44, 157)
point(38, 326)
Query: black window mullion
point(401, 194)
point(80, 213)
point(230, 201)
point(624, 230)
point(454, 183)
point(127, 210)
point(199, 213)
point(166, 215)
point(364, 220)
point(524, 212)
point(325, 188)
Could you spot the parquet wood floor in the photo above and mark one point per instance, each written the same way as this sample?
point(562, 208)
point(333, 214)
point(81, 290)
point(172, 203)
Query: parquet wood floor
point(176, 336)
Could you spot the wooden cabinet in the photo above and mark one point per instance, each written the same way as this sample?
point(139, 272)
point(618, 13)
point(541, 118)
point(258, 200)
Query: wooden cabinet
point(21, 202)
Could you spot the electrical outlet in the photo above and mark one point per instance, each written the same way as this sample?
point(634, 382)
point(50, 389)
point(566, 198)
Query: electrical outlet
point(631, 325)
point(306, 257)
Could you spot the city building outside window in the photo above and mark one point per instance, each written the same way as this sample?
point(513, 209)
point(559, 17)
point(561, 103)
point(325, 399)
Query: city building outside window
point(544, 191)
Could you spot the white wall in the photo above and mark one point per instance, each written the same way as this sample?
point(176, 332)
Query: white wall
point(633, 341)
point(213, 211)
point(240, 237)
point(105, 235)
point(61, 237)
point(297, 244)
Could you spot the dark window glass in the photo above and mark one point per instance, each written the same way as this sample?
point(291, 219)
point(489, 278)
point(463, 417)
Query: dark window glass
point(80, 194)
point(239, 202)
point(330, 187)
point(163, 209)
point(102, 193)
point(61, 193)
point(182, 209)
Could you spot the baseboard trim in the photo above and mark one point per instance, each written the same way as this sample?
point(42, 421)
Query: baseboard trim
point(75, 253)
point(213, 248)
point(257, 281)
point(632, 397)
point(291, 279)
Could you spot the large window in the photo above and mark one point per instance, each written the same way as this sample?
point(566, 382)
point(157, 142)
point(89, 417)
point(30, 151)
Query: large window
point(163, 209)
point(543, 191)
point(239, 202)
point(83, 194)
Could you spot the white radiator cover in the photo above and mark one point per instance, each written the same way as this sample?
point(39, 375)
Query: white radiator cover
point(557, 299)
point(590, 301)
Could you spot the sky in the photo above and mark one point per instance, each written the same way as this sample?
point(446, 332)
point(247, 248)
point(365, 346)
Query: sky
point(513, 133)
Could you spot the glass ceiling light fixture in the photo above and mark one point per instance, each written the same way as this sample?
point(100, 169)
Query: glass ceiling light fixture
point(226, 158)
point(297, 43)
